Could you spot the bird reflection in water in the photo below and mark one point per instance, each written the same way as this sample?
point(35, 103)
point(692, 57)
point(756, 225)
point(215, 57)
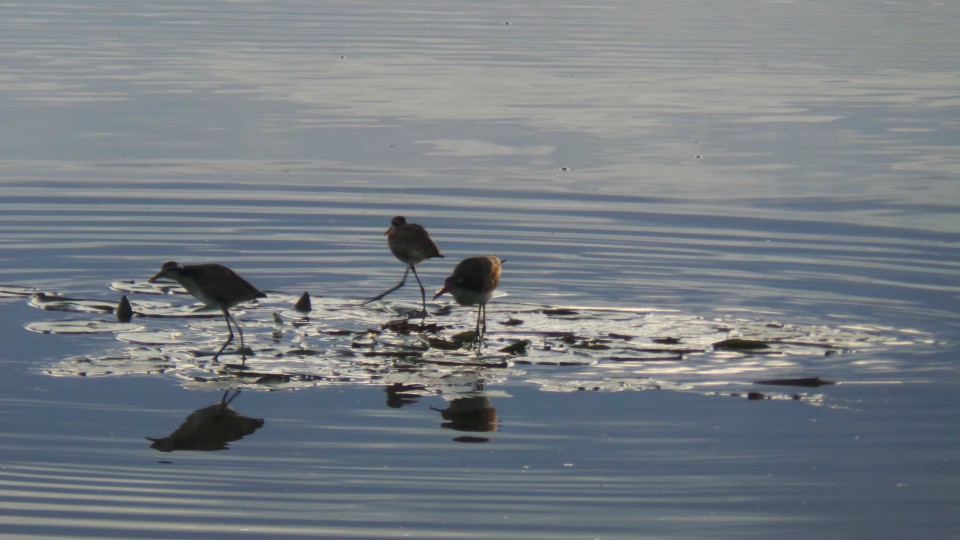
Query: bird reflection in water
point(209, 428)
point(472, 414)
point(400, 395)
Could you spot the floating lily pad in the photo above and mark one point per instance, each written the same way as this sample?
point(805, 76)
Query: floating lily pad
point(145, 287)
point(161, 310)
point(80, 327)
point(158, 338)
point(50, 302)
point(602, 349)
point(592, 344)
point(13, 291)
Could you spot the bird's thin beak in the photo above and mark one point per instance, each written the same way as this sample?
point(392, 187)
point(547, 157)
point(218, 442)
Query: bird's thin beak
point(390, 230)
point(156, 277)
point(440, 292)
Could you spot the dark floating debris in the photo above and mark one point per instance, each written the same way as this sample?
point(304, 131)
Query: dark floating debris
point(443, 344)
point(303, 303)
point(268, 378)
point(394, 354)
point(518, 347)
point(808, 382)
point(737, 344)
point(560, 311)
point(666, 340)
point(404, 326)
point(124, 312)
point(512, 322)
point(671, 358)
point(591, 344)
point(466, 337)
point(300, 352)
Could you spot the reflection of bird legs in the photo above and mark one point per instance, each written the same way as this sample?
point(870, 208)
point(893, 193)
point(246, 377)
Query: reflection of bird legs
point(423, 292)
point(224, 402)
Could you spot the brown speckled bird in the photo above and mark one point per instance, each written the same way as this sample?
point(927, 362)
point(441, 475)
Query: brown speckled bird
point(410, 244)
point(472, 283)
point(217, 287)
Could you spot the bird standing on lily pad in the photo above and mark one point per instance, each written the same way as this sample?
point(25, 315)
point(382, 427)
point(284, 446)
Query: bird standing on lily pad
point(472, 283)
point(217, 287)
point(411, 244)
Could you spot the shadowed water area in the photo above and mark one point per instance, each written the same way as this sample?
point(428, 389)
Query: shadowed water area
point(729, 306)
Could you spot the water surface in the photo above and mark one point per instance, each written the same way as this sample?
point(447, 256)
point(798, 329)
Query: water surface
point(777, 171)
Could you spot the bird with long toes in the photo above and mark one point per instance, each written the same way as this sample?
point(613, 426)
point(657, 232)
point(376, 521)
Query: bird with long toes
point(472, 283)
point(410, 244)
point(215, 286)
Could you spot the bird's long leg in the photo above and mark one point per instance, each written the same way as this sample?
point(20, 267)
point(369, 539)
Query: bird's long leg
point(243, 346)
point(381, 295)
point(226, 316)
point(423, 293)
point(484, 306)
point(478, 332)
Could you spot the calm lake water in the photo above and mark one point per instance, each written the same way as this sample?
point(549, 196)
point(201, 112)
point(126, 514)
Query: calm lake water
point(659, 176)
